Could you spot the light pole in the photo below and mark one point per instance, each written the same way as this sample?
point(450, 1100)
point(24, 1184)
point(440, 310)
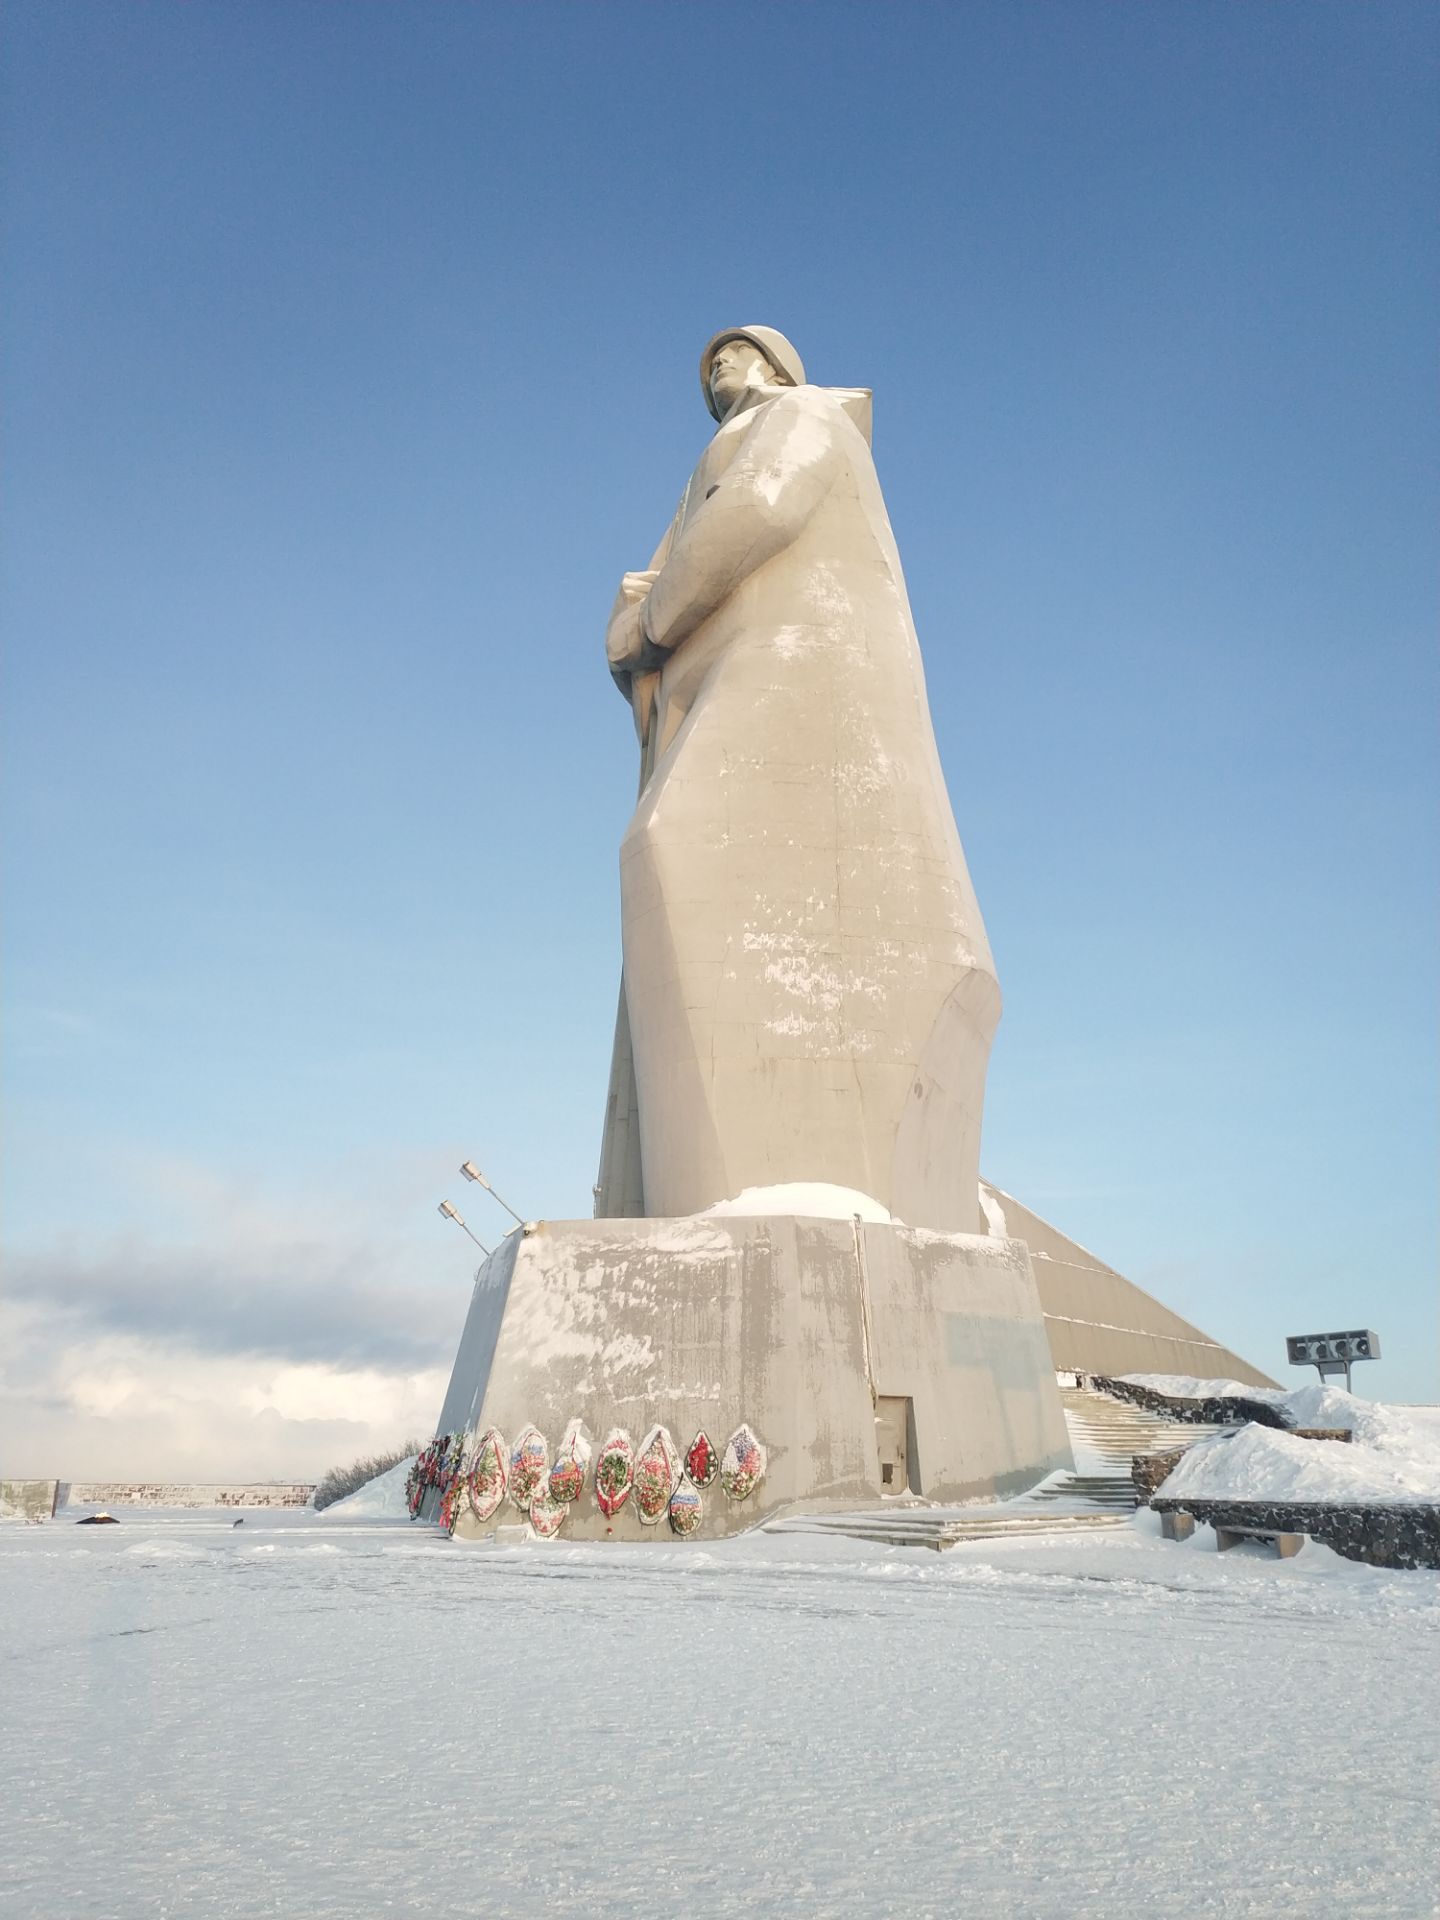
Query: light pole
point(472, 1172)
point(453, 1213)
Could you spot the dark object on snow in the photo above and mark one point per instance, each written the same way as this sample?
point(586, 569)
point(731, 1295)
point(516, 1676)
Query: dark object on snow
point(98, 1520)
point(238, 1523)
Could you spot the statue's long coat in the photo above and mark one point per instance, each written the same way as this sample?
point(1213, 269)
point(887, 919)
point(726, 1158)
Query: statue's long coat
point(809, 991)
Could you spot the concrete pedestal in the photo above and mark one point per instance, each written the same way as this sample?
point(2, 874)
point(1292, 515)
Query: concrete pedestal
point(847, 1348)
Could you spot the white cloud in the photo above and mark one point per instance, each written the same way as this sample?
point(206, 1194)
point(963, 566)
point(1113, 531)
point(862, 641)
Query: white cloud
point(250, 1330)
point(114, 1407)
point(357, 1282)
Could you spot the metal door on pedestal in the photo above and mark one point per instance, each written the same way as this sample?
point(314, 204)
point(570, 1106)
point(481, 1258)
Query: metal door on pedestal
point(892, 1432)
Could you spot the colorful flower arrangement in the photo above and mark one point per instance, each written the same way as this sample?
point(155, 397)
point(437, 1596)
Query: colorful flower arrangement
point(436, 1466)
point(743, 1465)
point(614, 1472)
point(657, 1470)
point(454, 1502)
point(702, 1463)
point(476, 1477)
point(686, 1511)
point(567, 1474)
point(489, 1474)
point(529, 1460)
point(414, 1486)
point(546, 1515)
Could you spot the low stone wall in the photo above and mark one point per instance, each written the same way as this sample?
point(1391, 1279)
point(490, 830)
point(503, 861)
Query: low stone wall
point(1149, 1470)
point(1219, 1411)
point(1388, 1536)
point(147, 1493)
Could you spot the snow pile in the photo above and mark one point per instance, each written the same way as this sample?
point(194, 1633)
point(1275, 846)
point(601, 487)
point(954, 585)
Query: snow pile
point(1390, 1456)
point(810, 1199)
point(1392, 1429)
point(1402, 1430)
point(1389, 1459)
point(382, 1498)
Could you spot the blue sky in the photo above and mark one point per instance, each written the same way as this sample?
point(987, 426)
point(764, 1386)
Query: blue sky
point(352, 358)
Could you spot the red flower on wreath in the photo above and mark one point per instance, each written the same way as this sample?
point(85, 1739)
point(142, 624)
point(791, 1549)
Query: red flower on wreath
point(701, 1462)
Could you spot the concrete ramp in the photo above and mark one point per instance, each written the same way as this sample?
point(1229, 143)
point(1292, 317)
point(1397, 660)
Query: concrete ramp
point(1096, 1319)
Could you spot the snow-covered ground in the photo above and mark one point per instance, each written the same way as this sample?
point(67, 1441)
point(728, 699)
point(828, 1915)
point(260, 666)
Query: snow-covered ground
point(319, 1717)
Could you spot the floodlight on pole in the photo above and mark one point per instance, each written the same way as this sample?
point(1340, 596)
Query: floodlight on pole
point(453, 1213)
point(472, 1172)
point(1332, 1353)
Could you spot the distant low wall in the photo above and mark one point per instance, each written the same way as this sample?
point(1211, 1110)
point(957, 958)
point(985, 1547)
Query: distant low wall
point(149, 1493)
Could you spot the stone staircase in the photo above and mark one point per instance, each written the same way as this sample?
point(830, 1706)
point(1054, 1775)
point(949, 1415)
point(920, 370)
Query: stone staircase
point(941, 1527)
point(1105, 1435)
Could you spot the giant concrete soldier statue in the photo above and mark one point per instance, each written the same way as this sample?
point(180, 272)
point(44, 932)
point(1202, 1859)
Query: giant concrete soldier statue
point(808, 995)
point(807, 1000)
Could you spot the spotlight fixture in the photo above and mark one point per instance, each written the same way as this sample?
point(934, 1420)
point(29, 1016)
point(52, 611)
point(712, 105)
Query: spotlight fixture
point(453, 1213)
point(472, 1172)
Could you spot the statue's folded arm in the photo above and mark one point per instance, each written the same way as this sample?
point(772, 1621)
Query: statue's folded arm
point(767, 494)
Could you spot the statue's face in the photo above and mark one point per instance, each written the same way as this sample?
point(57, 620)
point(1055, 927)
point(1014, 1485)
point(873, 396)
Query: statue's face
point(736, 365)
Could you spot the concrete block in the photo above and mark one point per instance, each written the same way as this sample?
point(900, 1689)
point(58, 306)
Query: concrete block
point(34, 1499)
point(798, 1327)
point(1176, 1526)
point(1286, 1545)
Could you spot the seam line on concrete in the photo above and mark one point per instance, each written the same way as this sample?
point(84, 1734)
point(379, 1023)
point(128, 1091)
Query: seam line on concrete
point(1108, 1326)
point(864, 1308)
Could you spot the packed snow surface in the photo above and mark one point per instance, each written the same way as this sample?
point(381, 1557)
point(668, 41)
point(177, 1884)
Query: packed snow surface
point(810, 1199)
point(305, 1721)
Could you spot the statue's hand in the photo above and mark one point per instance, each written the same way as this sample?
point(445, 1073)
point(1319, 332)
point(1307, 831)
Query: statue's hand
point(625, 641)
point(628, 648)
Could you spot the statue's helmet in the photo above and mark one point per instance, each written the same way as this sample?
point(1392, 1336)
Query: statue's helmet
point(771, 342)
